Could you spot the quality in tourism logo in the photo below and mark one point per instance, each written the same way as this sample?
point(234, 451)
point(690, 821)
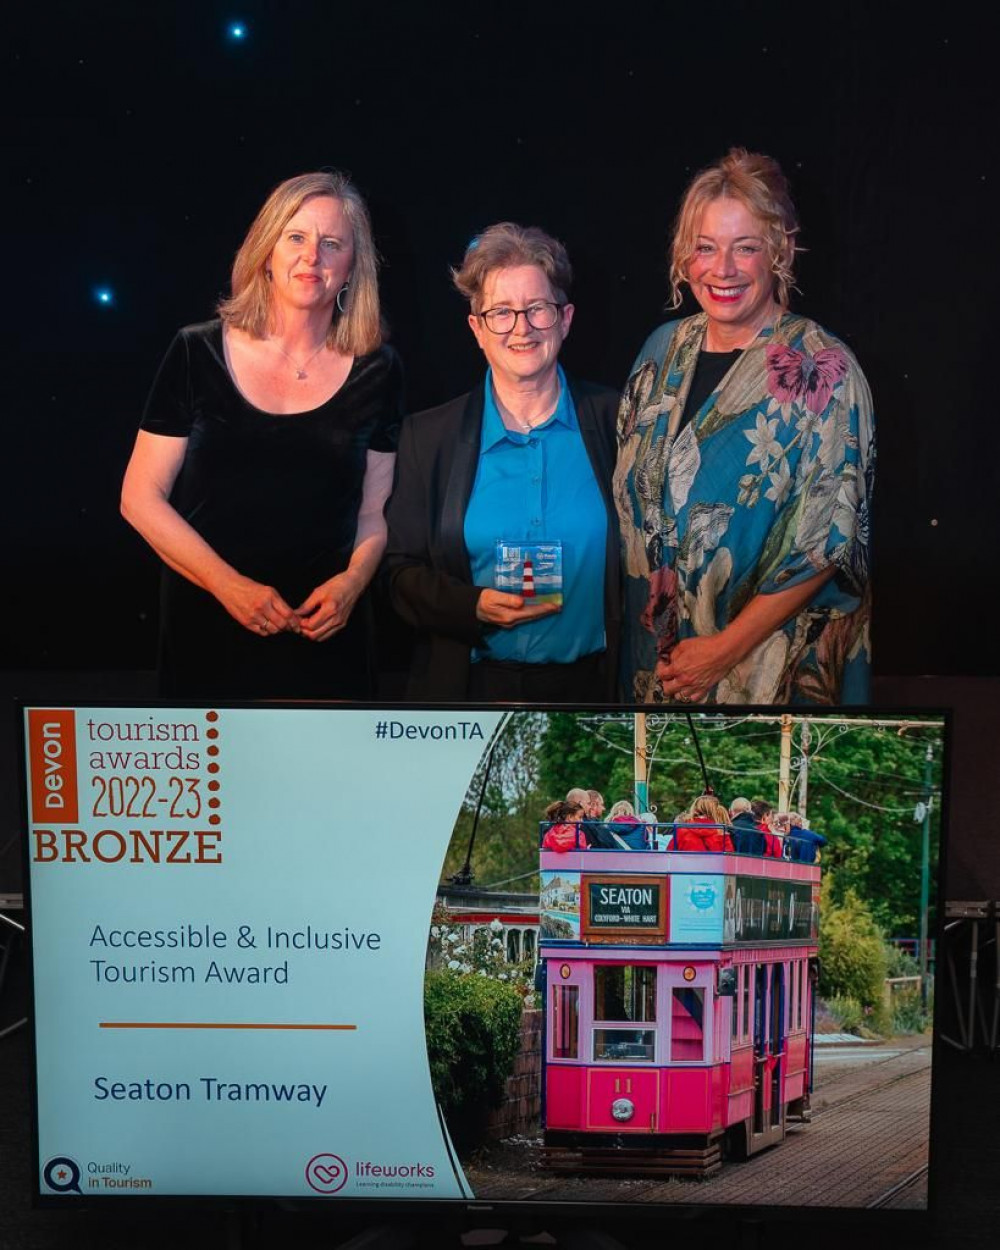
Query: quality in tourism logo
point(62, 1175)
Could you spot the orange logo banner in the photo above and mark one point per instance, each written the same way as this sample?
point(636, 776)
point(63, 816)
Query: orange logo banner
point(52, 752)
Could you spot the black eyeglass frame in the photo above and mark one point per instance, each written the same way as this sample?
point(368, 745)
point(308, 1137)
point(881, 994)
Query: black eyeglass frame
point(521, 312)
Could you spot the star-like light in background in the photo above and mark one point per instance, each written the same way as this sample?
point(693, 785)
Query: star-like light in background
point(237, 31)
point(104, 296)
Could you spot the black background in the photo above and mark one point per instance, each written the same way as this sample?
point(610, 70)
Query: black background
point(142, 141)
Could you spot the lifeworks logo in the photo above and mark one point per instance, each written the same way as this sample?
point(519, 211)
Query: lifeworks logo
point(326, 1173)
point(394, 1171)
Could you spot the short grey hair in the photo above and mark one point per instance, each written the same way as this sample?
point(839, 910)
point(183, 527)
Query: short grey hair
point(507, 245)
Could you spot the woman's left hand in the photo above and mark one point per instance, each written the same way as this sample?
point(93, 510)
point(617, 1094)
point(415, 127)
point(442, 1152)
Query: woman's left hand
point(328, 609)
point(693, 667)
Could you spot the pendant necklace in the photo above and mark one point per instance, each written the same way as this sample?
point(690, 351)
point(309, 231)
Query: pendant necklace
point(300, 370)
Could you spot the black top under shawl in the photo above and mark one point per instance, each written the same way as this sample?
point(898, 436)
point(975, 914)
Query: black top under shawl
point(277, 496)
point(709, 370)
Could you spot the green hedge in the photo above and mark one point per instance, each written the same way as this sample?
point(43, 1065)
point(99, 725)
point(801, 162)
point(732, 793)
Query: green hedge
point(473, 1027)
point(853, 956)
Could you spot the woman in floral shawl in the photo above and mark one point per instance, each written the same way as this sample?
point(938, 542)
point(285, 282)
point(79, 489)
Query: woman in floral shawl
point(746, 459)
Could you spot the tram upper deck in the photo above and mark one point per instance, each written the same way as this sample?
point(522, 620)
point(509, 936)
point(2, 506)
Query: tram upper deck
point(600, 896)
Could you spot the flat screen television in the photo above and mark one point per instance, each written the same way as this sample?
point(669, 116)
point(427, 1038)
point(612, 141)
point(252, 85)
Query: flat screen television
point(328, 954)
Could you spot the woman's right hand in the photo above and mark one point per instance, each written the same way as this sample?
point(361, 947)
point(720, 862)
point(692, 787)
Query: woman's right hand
point(153, 469)
point(257, 607)
point(495, 607)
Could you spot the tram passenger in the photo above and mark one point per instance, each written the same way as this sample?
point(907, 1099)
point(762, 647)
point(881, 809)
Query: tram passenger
point(566, 831)
point(594, 807)
point(596, 832)
point(628, 826)
point(803, 843)
point(661, 838)
point(779, 831)
point(708, 827)
point(748, 838)
point(764, 812)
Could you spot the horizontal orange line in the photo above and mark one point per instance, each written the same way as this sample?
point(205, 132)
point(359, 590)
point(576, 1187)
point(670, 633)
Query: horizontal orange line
point(131, 1024)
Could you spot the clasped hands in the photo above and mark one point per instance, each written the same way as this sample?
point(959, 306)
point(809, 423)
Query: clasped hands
point(693, 667)
point(262, 609)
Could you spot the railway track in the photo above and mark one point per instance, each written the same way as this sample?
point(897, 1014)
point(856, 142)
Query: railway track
point(865, 1147)
point(912, 1186)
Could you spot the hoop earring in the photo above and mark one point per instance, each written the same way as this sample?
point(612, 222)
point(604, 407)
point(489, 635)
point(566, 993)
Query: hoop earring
point(340, 297)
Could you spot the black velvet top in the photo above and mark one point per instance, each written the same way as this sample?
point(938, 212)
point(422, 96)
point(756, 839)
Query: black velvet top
point(277, 496)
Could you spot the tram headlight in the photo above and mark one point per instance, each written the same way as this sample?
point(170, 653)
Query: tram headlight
point(622, 1109)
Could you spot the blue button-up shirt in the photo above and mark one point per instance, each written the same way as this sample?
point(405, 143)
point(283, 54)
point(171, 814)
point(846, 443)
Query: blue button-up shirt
point(533, 488)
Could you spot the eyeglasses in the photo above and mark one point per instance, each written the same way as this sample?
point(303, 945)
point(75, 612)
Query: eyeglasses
point(541, 315)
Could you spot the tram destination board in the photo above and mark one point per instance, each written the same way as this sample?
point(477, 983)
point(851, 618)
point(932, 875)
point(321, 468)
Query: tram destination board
point(624, 907)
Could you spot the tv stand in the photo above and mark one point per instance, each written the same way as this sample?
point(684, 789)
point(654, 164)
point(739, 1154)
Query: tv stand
point(395, 1237)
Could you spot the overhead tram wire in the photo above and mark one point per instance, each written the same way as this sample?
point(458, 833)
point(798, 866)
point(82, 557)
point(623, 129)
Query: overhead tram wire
point(893, 811)
point(701, 759)
point(464, 875)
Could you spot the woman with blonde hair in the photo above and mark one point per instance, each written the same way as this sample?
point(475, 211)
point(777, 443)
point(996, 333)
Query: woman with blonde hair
point(745, 471)
point(627, 825)
point(708, 829)
point(265, 458)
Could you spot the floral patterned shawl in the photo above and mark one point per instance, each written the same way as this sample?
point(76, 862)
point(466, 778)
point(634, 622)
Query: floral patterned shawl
point(767, 485)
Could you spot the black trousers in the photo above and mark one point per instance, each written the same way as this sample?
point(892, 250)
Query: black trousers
point(507, 681)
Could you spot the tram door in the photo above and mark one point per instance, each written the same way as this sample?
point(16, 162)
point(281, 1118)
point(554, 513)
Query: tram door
point(760, 1089)
point(777, 1041)
point(768, 1053)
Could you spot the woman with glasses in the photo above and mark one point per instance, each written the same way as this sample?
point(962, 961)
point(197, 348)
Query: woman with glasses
point(503, 546)
point(745, 471)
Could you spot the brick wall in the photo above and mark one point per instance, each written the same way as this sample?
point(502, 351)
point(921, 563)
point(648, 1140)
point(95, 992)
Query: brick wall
point(521, 1111)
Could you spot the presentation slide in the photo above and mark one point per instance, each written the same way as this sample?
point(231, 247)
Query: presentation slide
point(371, 955)
point(229, 918)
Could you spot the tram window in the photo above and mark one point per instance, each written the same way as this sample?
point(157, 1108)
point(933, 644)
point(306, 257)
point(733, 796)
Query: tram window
point(687, 1024)
point(565, 1021)
point(624, 1045)
point(622, 992)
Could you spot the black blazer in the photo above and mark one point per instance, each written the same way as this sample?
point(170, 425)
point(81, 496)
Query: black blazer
point(427, 568)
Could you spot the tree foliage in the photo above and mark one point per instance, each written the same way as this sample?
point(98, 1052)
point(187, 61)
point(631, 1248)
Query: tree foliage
point(852, 951)
point(862, 786)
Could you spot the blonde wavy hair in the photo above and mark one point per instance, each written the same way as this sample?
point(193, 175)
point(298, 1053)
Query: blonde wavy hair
point(757, 182)
point(708, 807)
point(356, 331)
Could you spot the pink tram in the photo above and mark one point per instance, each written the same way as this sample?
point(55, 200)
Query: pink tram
point(679, 993)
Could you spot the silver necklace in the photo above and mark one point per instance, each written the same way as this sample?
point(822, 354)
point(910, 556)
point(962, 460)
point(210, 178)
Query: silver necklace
point(526, 424)
point(300, 370)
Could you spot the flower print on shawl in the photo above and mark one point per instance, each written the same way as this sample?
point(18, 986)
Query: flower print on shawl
point(768, 484)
